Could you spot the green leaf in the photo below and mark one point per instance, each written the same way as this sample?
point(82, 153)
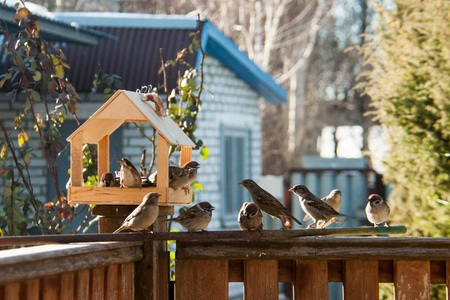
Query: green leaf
point(7, 190)
point(197, 186)
point(27, 156)
point(204, 153)
point(37, 76)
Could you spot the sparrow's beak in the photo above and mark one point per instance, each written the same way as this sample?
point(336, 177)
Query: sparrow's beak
point(213, 208)
point(241, 184)
point(291, 190)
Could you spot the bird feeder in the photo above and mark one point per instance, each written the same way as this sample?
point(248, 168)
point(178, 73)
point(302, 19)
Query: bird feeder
point(126, 106)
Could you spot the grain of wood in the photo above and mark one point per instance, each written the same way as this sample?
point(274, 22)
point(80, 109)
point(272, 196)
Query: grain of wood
point(260, 279)
point(127, 281)
point(412, 280)
point(186, 155)
point(76, 159)
point(51, 287)
point(12, 291)
point(361, 279)
point(98, 284)
point(103, 156)
point(201, 279)
point(112, 282)
point(67, 286)
point(32, 289)
point(311, 279)
point(163, 167)
point(82, 284)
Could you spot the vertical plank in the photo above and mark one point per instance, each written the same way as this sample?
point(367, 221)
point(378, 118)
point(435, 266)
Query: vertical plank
point(163, 274)
point(127, 281)
point(201, 279)
point(98, 284)
point(76, 159)
point(103, 156)
point(163, 166)
point(82, 290)
point(112, 282)
point(67, 286)
point(412, 280)
point(50, 289)
point(311, 279)
point(32, 287)
point(186, 155)
point(260, 279)
point(361, 279)
point(12, 291)
point(447, 275)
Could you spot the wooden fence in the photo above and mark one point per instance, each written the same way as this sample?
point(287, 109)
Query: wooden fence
point(207, 262)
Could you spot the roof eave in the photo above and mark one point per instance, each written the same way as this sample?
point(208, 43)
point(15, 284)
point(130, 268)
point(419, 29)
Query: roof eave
point(215, 43)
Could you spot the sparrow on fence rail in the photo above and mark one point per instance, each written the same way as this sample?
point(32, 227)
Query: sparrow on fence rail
point(142, 216)
point(196, 217)
point(269, 204)
point(250, 217)
point(314, 207)
point(129, 175)
point(333, 199)
point(108, 180)
point(180, 177)
point(377, 210)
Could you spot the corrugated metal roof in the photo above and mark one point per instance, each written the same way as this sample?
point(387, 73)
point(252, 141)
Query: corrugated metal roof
point(134, 56)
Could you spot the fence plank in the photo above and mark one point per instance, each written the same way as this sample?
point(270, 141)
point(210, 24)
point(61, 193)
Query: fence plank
point(260, 279)
point(311, 279)
point(412, 279)
point(112, 282)
point(127, 281)
point(98, 284)
point(201, 279)
point(12, 291)
point(67, 286)
point(32, 287)
point(361, 279)
point(50, 289)
point(82, 291)
point(447, 275)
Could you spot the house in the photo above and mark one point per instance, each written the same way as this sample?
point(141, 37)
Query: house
point(229, 123)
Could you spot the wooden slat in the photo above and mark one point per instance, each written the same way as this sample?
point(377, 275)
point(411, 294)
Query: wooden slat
point(210, 278)
point(412, 279)
point(12, 291)
point(67, 286)
point(32, 287)
point(76, 159)
point(163, 274)
point(82, 287)
point(186, 155)
point(50, 289)
point(103, 156)
point(361, 279)
point(112, 282)
point(260, 279)
point(127, 281)
point(311, 279)
point(98, 284)
point(163, 166)
point(447, 276)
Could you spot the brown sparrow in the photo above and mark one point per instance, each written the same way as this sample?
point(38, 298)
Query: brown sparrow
point(129, 176)
point(333, 199)
point(250, 217)
point(108, 180)
point(196, 217)
point(314, 207)
point(268, 203)
point(180, 177)
point(377, 210)
point(142, 216)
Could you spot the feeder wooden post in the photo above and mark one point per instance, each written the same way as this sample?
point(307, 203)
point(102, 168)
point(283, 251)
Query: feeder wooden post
point(186, 154)
point(103, 156)
point(76, 158)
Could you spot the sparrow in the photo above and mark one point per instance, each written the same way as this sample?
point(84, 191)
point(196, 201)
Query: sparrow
point(108, 180)
point(314, 207)
point(129, 175)
point(334, 200)
point(377, 210)
point(142, 216)
point(250, 217)
point(180, 177)
point(269, 204)
point(196, 217)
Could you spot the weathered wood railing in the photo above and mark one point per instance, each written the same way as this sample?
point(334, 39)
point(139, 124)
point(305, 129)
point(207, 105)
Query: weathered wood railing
point(207, 262)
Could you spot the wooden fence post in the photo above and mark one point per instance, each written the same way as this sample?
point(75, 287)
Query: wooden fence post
point(311, 279)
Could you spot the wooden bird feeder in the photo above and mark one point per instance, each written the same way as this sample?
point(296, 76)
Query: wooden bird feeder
point(126, 106)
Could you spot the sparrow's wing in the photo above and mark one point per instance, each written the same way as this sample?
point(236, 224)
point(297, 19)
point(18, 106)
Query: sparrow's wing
point(320, 205)
point(134, 213)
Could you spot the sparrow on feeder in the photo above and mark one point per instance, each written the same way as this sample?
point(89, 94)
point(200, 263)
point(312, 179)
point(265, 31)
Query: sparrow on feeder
point(108, 180)
point(250, 217)
point(269, 204)
point(129, 175)
point(180, 177)
point(314, 207)
point(142, 216)
point(377, 210)
point(333, 199)
point(196, 217)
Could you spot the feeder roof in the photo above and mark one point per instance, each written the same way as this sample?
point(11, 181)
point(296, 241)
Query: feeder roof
point(127, 106)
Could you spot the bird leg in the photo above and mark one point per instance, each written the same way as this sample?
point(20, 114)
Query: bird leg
point(341, 222)
point(311, 225)
point(386, 224)
point(186, 189)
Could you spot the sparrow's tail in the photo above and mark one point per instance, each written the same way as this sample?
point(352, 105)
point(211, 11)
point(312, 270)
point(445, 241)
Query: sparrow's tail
point(119, 229)
point(342, 215)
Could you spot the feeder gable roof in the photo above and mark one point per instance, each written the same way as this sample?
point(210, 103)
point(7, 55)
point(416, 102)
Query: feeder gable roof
point(126, 106)
point(148, 33)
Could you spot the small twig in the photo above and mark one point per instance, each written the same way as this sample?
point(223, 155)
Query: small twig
point(163, 66)
point(143, 168)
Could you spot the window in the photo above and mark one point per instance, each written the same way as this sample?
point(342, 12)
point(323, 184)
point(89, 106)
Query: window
point(235, 151)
